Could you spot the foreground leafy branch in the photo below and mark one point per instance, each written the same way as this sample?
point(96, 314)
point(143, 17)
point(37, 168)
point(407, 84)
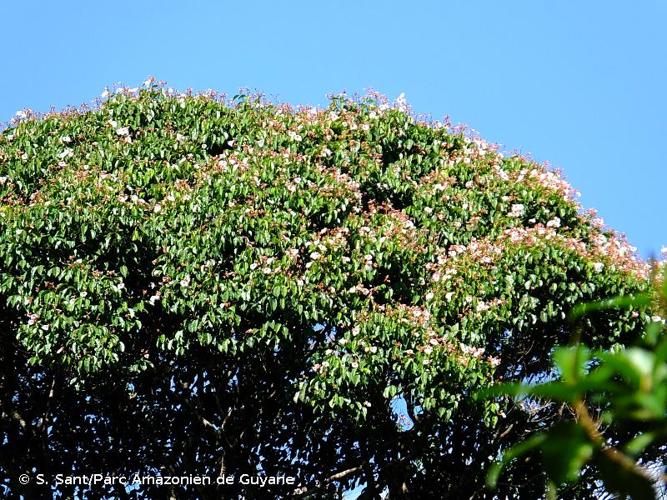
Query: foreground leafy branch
point(626, 388)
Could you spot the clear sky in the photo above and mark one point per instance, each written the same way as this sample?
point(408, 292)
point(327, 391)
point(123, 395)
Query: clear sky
point(580, 83)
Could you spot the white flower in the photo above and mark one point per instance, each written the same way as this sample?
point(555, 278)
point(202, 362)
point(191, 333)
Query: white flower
point(149, 82)
point(482, 306)
point(449, 295)
point(157, 208)
point(123, 131)
point(21, 114)
point(555, 222)
point(66, 139)
point(45, 328)
point(293, 135)
point(105, 94)
point(517, 210)
point(401, 102)
point(429, 296)
point(315, 255)
point(598, 266)
point(185, 281)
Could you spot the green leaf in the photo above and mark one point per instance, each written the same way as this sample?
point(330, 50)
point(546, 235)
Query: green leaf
point(626, 302)
point(624, 479)
point(565, 451)
point(571, 361)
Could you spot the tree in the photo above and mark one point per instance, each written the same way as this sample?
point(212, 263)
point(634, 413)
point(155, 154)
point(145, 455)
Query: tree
point(191, 285)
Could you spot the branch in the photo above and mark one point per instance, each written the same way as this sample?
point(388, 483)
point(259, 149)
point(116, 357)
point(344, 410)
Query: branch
point(45, 417)
point(303, 491)
point(591, 428)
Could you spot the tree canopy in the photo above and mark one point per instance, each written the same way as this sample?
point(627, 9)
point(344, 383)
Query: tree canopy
point(196, 285)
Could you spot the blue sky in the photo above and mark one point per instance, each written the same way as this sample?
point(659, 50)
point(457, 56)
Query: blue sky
point(578, 83)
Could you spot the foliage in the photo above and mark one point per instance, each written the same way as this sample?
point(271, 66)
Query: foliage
point(627, 388)
point(193, 285)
